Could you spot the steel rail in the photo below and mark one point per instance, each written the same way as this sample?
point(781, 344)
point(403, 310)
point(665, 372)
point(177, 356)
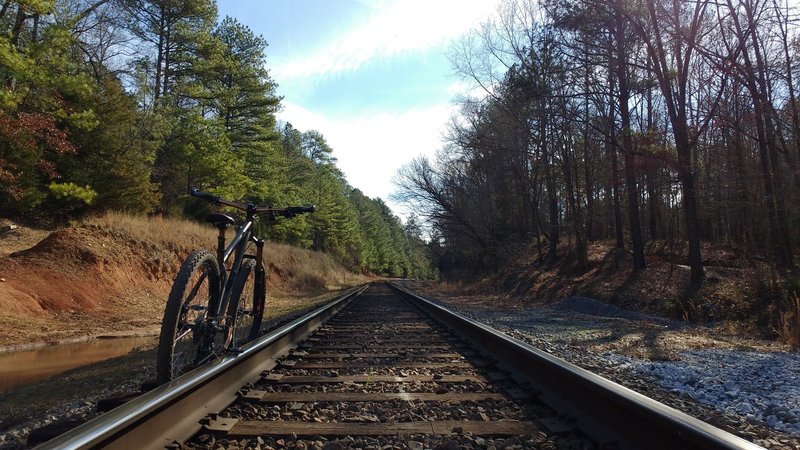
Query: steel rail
point(175, 411)
point(606, 411)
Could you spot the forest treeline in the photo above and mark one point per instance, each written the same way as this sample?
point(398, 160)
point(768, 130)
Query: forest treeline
point(629, 121)
point(124, 104)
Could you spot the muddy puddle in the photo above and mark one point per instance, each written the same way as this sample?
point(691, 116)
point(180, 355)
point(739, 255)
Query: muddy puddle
point(20, 368)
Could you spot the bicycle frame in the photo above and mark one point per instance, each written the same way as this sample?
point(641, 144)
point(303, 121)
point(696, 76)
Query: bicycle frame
point(192, 323)
point(237, 247)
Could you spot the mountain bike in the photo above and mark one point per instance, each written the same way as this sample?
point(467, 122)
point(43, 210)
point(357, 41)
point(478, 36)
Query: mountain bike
point(217, 299)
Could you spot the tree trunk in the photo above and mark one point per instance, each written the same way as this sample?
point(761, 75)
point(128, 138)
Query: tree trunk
point(589, 183)
point(535, 194)
point(552, 202)
point(618, 232)
point(652, 202)
point(652, 171)
point(571, 184)
point(756, 83)
point(159, 58)
point(167, 59)
point(780, 196)
point(784, 31)
point(686, 178)
point(588, 162)
point(631, 184)
point(674, 90)
point(627, 147)
point(611, 150)
point(735, 149)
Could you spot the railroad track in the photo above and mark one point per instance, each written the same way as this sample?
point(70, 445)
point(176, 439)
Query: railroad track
point(373, 370)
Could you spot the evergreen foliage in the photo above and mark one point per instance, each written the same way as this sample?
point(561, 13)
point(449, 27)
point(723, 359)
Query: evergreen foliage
point(85, 129)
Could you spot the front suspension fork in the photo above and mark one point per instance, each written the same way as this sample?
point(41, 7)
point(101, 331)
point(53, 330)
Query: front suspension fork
point(261, 280)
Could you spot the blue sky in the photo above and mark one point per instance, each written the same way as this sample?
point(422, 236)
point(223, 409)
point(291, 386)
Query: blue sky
point(371, 75)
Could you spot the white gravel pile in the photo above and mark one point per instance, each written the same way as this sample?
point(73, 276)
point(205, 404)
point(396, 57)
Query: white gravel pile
point(761, 387)
point(764, 387)
point(591, 307)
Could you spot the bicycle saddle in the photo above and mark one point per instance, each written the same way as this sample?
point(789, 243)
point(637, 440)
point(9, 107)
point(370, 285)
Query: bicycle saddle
point(220, 220)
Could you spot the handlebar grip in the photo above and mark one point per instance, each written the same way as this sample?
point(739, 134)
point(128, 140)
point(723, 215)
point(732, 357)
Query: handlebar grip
point(301, 209)
point(194, 192)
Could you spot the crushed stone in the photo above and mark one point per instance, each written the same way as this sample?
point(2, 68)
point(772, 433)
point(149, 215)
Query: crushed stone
point(751, 389)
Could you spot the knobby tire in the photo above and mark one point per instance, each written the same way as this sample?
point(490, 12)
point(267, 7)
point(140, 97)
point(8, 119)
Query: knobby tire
point(186, 340)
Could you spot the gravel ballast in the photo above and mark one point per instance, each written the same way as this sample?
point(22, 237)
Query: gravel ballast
point(762, 387)
point(747, 387)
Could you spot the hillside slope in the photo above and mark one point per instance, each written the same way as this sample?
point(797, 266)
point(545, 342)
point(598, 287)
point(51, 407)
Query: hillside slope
point(112, 274)
point(742, 295)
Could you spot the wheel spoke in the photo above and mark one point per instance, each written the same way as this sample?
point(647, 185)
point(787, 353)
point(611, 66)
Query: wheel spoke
point(181, 334)
point(196, 286)
point(186, 317)
point(243, 309)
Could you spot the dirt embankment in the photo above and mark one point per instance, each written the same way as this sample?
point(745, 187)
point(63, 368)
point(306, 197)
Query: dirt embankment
point(112, 275)
point(743, 295)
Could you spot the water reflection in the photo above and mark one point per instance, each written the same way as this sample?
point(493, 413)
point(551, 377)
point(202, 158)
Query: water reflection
point(19, 368)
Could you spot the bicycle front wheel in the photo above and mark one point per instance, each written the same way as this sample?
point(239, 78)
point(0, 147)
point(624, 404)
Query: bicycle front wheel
point(246, 308)
point(188, 333)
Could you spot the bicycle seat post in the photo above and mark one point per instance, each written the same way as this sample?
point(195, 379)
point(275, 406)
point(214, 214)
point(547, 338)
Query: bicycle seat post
point(222, 222)
point(221, 247)
point(221, 243)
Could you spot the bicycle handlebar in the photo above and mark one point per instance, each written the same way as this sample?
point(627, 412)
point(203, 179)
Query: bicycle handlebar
point(288, 212)
point(301, 209)
point(194, 192)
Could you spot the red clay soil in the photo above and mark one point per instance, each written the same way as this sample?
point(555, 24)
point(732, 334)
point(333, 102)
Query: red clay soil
point(71, 270)
point(91, 280)
point(82, 280)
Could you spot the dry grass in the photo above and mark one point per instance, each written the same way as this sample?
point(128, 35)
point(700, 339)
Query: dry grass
point(305, 270)
point(156, 229)
point(292, 269)
point(113, 273)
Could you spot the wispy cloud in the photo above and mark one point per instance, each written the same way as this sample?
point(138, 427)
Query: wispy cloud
point(395, 27)
point(370, 149)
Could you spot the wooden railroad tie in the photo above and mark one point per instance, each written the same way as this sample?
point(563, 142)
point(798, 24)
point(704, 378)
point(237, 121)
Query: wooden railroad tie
point(310, 397)
point(375, 355)
point(366, 345)
point(349, 365)
point(304, 379)
point(424, 340)
point(247, 428)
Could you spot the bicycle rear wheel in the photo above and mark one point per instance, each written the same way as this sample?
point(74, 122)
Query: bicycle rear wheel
point(188, 335)
point(246, 307)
